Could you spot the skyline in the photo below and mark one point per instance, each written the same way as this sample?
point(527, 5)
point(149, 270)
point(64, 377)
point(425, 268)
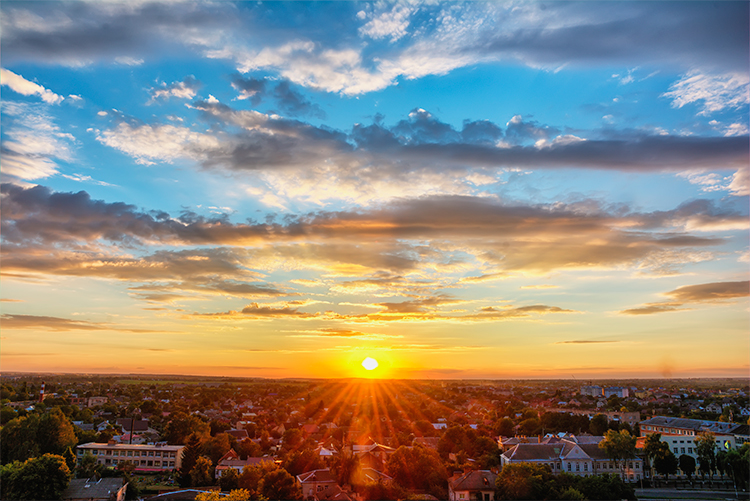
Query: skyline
point(455, 190)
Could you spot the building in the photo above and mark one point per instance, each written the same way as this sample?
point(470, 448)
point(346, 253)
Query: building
point(104, 489)
point(592, 391)
point(575, 455)
point(232, 460)
point(680, 433)
point(617, 391)
point(631, 418)
point(315, 483)
point(145, 457)
point(473, 485)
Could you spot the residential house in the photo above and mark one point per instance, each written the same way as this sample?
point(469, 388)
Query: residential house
point(315, 482)
point(473, 485)
point(232, 460)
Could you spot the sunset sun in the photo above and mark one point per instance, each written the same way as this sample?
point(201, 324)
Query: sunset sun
point(370, 364)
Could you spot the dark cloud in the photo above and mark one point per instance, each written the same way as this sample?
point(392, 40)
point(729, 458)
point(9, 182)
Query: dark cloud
point(295, 104)
point(257, 311)
point(637, 33)
point(253, 89)
point(715, 292)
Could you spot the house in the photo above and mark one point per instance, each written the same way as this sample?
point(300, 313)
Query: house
point(428, 442)
point(315, 482)
point(238, 434)
point(477, 485)
point(680, 433)
point(574, 455)
point(232, 460)
point(104, 489)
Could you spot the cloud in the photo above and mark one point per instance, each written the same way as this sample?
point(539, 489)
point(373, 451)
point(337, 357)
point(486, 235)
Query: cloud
point(586, 341)
point(58, 324)
point(252, 89)
point(293, 103)
point(714, 92)
point(34, 144)
point(257, 311)
point(716, 292)
point(22, 86)
point(182, 90)
point(391, 23)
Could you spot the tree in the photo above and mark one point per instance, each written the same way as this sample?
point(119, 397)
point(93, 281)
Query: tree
point(190, 455)
point(70, 458)
point(201, 473)
point(279, 484)
point(252, 476)
point(18, 439)
point(215, 447)
point(525, 481)
point(234, 495)
point(417, 468)
point(55, 432)
point(302, 461)
point(505, 428)
point(598, 424)
point(666, 463)
point(687, 465)
point(704, 446)
point(181, 426)
point(229, 479)
point(619, 446)
point(44, 477)
point(343, 466)
point(653, 447)
point(88, 467)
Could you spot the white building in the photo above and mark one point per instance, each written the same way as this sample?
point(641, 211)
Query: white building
point(145, 457)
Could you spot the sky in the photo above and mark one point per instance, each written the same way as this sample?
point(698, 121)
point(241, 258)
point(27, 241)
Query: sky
point(454, 189)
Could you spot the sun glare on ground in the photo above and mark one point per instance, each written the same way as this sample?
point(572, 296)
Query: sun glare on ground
point(370, 364)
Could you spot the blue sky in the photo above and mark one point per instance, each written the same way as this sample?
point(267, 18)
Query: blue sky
point(261, 188)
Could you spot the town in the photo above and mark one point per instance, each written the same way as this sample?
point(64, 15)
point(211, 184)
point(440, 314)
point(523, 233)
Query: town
point(115, 437)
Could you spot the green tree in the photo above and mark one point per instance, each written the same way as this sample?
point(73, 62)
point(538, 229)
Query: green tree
point(252, 476)
point(202, 472)
point(343, 466)
point(181, 426)
point(215, 447)
point(598, 425)
point(505, 427)
point(55, 432)
point(687, 465)
point(666, 463)
point(190, 455)
point(44, 477)
point(525, 481)
point(88, 467)
point(705, 443)
point(70, 458)
point(7, 414)
point(18, 439)
point(619, 446)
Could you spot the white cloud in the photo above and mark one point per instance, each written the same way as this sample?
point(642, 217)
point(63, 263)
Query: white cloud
point(158, 143)
point(33, 142)
point(389, 24)
point(186, 89)
point(716, 92)
point(740, 183)
point(129, 61)
point(19, 84)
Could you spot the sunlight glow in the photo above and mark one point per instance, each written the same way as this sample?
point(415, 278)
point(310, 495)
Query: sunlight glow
point(370, 363)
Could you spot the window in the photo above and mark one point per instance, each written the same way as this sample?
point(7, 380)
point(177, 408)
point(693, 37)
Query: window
point(157, 463)
point(171, 463)
point(109, 451)
point(568, 466)
point(578, 467)
point(675, 450)
point(151, 453)
point(682, 450)
point(130, 453)
point(637, 466)
point(158, 454)
point(585, 467)
point(461, 496)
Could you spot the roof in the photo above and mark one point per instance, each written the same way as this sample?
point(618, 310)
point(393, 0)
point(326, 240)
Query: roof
point(474, 480)
point(238, 434)
point(138, 424)
point(82, 488)
point(323, 475)
point(429, 442)
point(95, 445)
point(535, 452)
point(696, 425)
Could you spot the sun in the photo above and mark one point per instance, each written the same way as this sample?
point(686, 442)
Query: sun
point(370, 363)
